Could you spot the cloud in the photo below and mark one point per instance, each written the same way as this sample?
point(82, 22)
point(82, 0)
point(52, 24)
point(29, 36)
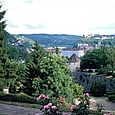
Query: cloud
point(59, 16)
point(39, 26)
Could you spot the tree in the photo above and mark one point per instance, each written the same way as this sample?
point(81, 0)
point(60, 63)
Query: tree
point(13, 53)
point(7, 68)
point(33, 68)
point(95, 59)
point(102, 59)
point(57, 50)
point(20, 79)
point(111, 58)
point(54, 79)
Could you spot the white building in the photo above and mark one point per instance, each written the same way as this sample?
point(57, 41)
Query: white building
point(69, 52)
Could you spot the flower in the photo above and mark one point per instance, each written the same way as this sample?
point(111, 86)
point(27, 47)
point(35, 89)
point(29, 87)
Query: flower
point(46, 107)
point(109, 114)
point(46, 97)
point(37, 114)
point(50, 104)
point(43, 96)
point(65, 114)
point(39, 98)
point(86, 94)
point(53, 107)
point(72, 107)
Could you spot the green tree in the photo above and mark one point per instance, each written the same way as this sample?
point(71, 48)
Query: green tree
point(33, 68)
point(95, 59)
point(20, 79)
point(7, 68)
point(111, 58)
point(57, 50)
point(13, 52)
point(54, 79)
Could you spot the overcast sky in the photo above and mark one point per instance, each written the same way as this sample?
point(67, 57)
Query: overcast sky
point(76, 17)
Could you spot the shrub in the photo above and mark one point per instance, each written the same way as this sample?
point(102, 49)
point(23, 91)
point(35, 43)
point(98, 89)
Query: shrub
point(109, 73)
point(83, 107)
point(102, 71)
point(113, 75)
point(97, 88)
point(78, 89)
point(90, 71)
point(17, 98)
point(43, 99)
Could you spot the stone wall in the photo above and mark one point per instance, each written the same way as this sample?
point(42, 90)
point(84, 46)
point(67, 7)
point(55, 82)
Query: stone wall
point(87, 79)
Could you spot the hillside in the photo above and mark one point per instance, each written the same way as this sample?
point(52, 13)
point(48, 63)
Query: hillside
point(53, 40)
point(101, 40)
point(16, 40)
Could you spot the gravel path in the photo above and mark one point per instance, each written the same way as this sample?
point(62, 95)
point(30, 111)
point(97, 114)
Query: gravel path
point(107, 105)
point(16, 110)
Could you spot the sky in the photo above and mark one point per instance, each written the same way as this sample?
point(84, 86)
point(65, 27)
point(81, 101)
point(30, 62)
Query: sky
point(75, 17)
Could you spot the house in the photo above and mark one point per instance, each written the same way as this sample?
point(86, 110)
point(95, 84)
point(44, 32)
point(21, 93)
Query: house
point(74, 63)
point(68, 52)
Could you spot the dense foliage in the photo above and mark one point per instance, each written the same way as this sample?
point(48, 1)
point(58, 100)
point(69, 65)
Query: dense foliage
point(92, 41)
point(47, 73)
point(98, 88)
point(7, 68)
point(53, 40)
point(102, 59)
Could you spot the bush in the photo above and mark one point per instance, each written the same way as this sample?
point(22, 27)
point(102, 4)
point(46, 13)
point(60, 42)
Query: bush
point(109, 73)
point(113, 75)
point(97, 88)
point(83, 107)
point(102, 71)
point(90, 71)
point(78, 89)
point(17, 98)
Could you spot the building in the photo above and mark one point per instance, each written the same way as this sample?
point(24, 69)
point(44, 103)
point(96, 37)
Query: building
point(74, 63)
point(70, 51)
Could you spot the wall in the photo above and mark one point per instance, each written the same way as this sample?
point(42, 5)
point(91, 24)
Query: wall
point(87, 79)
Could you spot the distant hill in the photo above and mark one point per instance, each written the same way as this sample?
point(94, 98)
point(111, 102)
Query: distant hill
point(16, 40)
point(53, 40)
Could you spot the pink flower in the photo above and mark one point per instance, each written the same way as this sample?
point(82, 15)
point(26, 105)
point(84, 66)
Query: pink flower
point(86, 94)
point(109, 114)
point(39, 98)
point(46, 97)
point(37, 114)
point(46, 107)
point(50, 104)
point(53, 107)
point(64, 113)
point(42, 95)
point(72, 107)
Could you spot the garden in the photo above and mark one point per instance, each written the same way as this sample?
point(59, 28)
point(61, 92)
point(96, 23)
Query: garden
point(44, 80)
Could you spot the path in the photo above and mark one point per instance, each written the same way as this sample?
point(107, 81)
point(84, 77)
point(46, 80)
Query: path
point(16, 110)
point(107, 105)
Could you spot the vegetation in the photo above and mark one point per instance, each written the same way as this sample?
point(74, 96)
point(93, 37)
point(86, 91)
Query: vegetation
point(17, 98)
point(7, 68)
point(92, 41)
point(101, 59)
point(53, 40)
point(46, 73)
point(98, 88)
point(111, 95)
point(42, 72)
